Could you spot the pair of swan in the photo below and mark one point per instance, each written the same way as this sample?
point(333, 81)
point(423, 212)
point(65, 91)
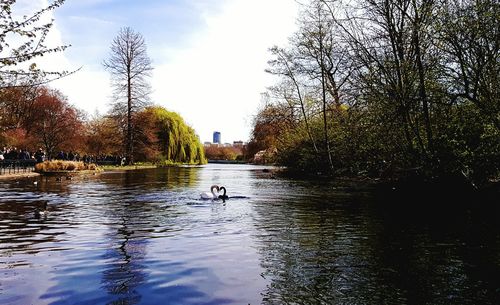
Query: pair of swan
point(212, 195)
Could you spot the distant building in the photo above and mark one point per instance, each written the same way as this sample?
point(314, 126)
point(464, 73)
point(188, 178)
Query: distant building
point(238, 144)
point(217, 137)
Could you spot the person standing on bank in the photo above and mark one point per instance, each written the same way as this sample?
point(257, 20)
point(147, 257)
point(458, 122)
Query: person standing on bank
point(39, 156)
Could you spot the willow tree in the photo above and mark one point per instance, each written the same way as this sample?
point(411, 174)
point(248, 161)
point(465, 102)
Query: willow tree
point(178, 141)
point(130, 68)
point(164, 137)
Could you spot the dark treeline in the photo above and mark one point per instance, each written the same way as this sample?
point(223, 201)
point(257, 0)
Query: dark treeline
point(386, 89)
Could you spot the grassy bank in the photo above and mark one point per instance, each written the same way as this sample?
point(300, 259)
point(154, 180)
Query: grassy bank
point(127, 167)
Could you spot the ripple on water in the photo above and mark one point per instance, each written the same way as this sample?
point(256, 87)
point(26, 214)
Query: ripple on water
point(146, 237)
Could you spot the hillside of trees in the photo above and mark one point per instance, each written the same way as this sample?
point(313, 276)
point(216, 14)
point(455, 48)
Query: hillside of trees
point(388, 89)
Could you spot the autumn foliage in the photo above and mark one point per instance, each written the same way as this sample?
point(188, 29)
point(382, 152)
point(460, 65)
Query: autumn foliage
point(34, 117)
point(214, 152)
point(43, 118)
point(40, 118)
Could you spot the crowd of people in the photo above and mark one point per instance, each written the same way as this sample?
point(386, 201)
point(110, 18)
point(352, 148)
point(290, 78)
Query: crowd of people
point(13, 153)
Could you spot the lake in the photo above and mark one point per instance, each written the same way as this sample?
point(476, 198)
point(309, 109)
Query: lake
point(146, 237)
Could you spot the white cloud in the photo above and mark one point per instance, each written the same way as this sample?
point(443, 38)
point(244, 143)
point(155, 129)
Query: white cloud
point(214, 83)
point(87, 89)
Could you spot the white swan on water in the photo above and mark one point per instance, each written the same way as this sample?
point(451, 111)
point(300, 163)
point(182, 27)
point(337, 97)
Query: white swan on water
point(211, 194)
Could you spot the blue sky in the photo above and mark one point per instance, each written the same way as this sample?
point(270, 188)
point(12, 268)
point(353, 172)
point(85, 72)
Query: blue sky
point(208, 56)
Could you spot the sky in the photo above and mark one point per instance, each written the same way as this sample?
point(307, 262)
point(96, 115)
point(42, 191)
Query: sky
point(209, 56)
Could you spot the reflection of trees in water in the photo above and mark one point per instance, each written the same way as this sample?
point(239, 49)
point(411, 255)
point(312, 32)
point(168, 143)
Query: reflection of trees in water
point(178, 176)
point(156, 177)
point(340, 250)
point(127, 243)
point(131, 224)
point(312, 252)
point(126, 253)
point(20, 229)
point(133, 220)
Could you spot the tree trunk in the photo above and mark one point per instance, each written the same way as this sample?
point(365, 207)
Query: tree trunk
point(421, 78)
point(129, 122)
point(323, 96)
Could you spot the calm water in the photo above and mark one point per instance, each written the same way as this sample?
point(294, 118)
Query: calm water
point(145, 237)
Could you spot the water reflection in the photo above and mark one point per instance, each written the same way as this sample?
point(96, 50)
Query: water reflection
point(145, 237)
point(334, 247)
point(169, 178)
point(125, 254)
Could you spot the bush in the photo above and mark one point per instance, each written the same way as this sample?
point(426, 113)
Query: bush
point(59, 165)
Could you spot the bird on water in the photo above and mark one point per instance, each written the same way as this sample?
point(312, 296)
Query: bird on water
point(43, 212)
point(210, 195)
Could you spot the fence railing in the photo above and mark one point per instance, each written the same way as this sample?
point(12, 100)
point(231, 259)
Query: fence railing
point(16, 166)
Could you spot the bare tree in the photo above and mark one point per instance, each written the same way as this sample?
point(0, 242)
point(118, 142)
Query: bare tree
point(316, 68)
point(470, 38)
point(130, 67)
point(294, 93)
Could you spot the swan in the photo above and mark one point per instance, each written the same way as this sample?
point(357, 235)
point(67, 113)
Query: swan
point(223, 196)
point(212, 194)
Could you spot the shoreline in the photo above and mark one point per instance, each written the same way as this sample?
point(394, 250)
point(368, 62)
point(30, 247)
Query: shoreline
point(19, 176)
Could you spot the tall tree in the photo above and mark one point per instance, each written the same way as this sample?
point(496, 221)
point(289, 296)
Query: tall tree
point(317, 71)
point(292, 88)
point(390, 44)
point(130, 68)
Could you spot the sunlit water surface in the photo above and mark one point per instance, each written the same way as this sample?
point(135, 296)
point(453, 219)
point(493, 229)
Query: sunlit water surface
point(146, 237)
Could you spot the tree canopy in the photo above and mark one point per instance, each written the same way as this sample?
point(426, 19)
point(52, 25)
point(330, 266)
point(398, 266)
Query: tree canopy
point(177, 142)
point(385, 88)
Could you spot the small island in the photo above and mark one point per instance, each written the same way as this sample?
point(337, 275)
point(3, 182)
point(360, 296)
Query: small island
point(61, 167)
